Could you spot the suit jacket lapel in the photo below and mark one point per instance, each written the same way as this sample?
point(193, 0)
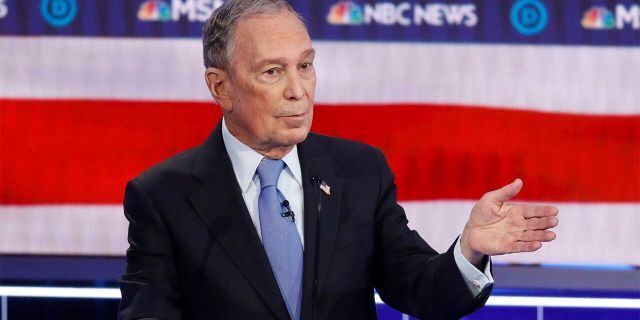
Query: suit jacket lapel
point(220, 205)
point(316, 163)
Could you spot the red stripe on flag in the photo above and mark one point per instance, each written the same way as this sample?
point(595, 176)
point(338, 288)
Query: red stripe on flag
point(84, 151)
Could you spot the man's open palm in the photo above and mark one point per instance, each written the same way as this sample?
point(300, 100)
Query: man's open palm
point(497, 227)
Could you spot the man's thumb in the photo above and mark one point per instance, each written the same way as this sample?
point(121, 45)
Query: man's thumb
point(507, 192)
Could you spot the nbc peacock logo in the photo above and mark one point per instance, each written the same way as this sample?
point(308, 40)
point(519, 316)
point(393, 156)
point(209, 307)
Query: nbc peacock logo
point(598, 18)
point(345, 13)
point(154, 10)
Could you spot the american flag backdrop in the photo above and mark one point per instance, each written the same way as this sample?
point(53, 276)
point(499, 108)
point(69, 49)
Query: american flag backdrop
point(462, 96)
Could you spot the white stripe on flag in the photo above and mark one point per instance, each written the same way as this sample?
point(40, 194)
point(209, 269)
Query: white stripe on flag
point(588, 233)
point(568, 79)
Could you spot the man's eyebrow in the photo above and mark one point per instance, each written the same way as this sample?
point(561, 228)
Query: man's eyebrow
point(281, 60)
point(309, 52)
point(267, 61)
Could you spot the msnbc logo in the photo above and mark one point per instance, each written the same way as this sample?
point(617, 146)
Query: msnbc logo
point(154, 10)
point(345, 13)
point(598, 18)
point(601, 18)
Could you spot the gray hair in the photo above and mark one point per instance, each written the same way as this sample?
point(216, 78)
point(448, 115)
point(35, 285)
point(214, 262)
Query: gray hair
point(219, 29)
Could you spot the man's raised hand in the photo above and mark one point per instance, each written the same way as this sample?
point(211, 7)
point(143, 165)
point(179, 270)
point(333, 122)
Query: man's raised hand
point(498, 227)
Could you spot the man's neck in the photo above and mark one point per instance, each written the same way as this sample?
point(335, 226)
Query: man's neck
point(274, 153)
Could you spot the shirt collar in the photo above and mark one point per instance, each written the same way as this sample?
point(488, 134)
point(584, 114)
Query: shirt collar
point(245, 160)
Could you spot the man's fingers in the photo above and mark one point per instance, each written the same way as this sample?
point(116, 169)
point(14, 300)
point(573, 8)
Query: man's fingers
point(538, 235)
point(532, 211)
point(540, 223)
point(505, 193)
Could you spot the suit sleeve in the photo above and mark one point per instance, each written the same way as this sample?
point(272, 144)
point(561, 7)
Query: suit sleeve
point(408, 274)
point(149, 286)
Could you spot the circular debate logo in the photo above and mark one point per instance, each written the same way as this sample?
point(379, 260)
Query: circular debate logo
point(58, 13)
point(529, 17)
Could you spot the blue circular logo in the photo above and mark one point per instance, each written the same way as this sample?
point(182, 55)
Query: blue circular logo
point(529, 16)
point(58, 13)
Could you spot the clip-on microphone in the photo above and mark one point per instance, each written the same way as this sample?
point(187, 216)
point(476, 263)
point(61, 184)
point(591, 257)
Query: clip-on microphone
point(289, 212)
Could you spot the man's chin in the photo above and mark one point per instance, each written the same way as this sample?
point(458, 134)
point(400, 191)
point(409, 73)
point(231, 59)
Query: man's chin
point(299, 137)
point(295, 136)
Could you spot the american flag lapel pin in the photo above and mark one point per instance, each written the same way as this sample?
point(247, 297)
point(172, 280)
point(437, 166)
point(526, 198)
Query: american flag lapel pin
point(326, 188)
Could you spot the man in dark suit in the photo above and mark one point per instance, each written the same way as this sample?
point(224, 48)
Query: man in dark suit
point(268, 221)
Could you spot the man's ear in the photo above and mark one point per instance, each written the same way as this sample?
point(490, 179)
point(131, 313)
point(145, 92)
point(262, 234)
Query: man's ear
point(218, 84)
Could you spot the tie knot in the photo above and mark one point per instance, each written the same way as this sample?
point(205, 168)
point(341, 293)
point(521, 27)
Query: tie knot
point(269, 171)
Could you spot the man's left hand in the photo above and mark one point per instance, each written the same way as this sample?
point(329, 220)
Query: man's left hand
point(497, 227)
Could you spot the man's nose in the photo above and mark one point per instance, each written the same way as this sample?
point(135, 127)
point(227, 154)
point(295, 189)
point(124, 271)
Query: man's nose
point(295, 88)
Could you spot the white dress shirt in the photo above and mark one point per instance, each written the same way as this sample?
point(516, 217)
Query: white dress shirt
point(245, 162)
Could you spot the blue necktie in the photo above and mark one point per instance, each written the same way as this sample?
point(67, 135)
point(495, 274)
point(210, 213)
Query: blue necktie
point(280, 237)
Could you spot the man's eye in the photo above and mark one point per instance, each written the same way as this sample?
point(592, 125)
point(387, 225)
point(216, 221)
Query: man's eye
point(305, 65)
point(271, 72)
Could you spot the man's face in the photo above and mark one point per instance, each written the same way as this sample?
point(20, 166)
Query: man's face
point(272, 82)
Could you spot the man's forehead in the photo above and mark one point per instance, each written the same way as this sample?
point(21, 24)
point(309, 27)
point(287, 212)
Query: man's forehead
point(264, 35)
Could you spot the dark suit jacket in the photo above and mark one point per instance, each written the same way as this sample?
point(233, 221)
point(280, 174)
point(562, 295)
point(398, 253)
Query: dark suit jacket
point(195, 254)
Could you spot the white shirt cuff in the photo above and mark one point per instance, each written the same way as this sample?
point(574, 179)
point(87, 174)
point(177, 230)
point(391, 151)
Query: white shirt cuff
point(476, 280)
